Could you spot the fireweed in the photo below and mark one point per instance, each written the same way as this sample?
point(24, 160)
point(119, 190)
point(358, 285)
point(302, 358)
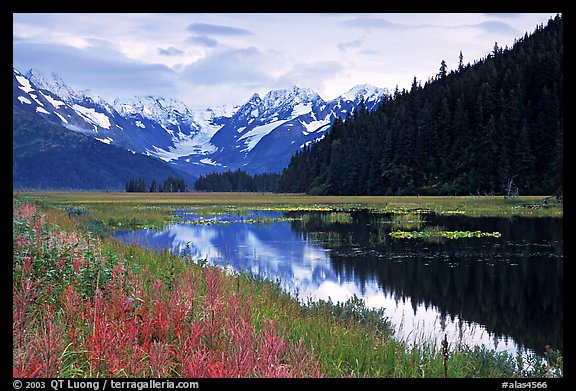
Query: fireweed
point(78, 311)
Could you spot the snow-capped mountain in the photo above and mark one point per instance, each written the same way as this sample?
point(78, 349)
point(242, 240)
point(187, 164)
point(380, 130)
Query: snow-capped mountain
point(152, 126)
point(53, 83)
point(168, 129)
point(265, 132)
point(258, 136)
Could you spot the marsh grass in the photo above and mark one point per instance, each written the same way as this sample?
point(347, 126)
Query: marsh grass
point(407, 221)
point(130, 215)
point(156, 207)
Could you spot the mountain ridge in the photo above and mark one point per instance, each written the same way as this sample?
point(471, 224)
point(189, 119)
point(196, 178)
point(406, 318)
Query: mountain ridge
point(258, 136)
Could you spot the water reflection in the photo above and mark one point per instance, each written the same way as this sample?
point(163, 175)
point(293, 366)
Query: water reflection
point(503, 292)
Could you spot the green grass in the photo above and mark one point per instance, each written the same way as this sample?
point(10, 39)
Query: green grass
point(155, 209)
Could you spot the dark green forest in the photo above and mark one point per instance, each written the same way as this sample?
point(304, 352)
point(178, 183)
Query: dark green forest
point(170, 185)
point(237, 181)
point(483, 128)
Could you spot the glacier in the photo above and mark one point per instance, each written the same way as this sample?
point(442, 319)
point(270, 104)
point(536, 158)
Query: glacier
point(259, 136)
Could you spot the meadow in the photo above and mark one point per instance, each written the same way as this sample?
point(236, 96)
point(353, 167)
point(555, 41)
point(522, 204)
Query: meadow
point(85, 305)
point(155, 209)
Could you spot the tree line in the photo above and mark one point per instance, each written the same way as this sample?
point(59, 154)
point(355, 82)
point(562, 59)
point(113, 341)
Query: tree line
point(475, 130)
point(237, 181)
point(169, 185)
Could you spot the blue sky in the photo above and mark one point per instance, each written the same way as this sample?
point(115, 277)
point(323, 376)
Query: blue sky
point(212, 59)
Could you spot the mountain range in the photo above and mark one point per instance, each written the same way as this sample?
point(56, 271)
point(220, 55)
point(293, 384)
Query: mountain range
point(177, 140)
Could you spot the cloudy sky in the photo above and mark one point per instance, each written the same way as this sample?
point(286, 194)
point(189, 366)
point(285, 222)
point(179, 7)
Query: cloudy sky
point(223, 58)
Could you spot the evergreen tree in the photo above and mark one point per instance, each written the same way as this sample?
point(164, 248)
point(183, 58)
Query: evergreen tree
point(237, 181)
point(471, 131)
point(443, 70)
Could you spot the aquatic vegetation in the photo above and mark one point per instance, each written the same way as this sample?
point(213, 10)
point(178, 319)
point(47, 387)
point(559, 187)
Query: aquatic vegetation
point(407, 221)
point(260, 220)
point(337, 218)
point(437, 233)
point(309, 219)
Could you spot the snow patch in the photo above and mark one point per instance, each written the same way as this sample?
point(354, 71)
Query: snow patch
point(209, 162)
point(301, 109)
point(312, 141)
point(24, 100)
point(367, 92)
point(53, 102)
point(106, 140)
point(62, 118)
point(24, 84)
point(140, 124)
point(36, 99)
point(147, 112)
point(94, 116)
point(254, 136)
point(166, 155)
point(126, 109)
point(42, 110)
point(315, 126)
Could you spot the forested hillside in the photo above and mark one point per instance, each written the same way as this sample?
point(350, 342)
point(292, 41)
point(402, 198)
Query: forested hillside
point(237, 181)
point(484, 128)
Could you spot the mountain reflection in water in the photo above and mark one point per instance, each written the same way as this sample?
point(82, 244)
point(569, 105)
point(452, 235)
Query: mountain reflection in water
point(505, 293)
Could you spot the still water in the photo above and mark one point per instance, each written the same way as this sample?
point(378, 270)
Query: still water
point(505, 293)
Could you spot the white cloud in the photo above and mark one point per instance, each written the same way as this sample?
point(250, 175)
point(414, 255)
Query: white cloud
point(215, 29)
point(217, 58)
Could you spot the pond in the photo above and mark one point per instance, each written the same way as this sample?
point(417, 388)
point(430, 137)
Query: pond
point(503, 291)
